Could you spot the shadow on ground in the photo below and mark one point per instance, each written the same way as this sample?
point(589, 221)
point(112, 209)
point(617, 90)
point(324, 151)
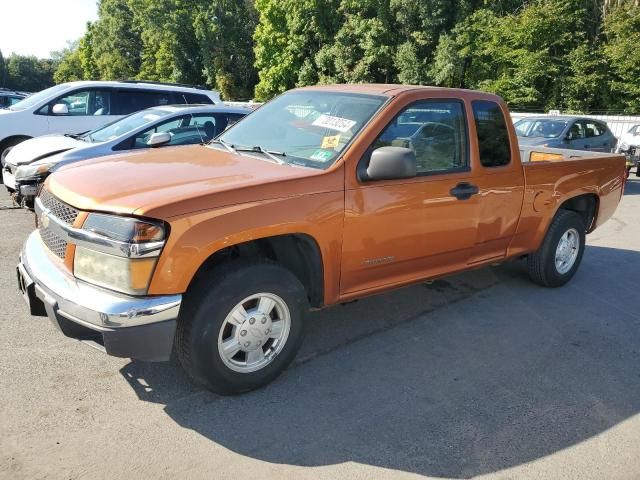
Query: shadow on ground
point(501, 374)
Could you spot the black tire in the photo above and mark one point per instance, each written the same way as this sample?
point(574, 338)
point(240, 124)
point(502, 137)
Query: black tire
point(206, 305)
point(542, 264)
point(8, 145)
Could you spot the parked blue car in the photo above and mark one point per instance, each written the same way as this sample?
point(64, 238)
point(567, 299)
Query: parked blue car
point(565, 132)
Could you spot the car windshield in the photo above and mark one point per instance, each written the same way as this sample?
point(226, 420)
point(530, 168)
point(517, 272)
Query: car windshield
point(545, 128)
point(124, 125)
point(37, 98)
point(304, 127)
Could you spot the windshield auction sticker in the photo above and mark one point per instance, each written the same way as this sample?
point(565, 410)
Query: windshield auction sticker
point(330, 142)
point(334, 123)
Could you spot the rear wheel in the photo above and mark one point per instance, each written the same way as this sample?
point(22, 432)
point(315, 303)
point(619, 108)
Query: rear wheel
point(560, 254)
point(241, 325)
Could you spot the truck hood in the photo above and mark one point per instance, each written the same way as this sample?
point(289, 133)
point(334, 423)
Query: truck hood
point(41, 147)
point(171, 181)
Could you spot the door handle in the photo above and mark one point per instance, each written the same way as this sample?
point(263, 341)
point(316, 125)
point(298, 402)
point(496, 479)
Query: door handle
point(464, 191)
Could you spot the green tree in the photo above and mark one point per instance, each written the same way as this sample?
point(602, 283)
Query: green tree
point(223, 30)
point(86, 54)
point(419, 25)
point(622, 54)
point(28, 73)
point(364, 46)
point(116, 41)
point(288, 40)
point(3, 71)
point(69, 66)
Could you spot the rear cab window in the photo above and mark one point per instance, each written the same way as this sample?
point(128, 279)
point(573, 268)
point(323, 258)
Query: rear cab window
point(493, 137)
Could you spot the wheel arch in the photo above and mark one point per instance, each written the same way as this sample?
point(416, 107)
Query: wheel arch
point(586, 205)
point(300, 253)
point(7, 141)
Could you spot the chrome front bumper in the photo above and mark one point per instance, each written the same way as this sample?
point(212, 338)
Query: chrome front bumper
point(121, 325)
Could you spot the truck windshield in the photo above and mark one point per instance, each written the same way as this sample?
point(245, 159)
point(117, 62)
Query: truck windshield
point(124, 125)
point(304, 127)
point(540, 128)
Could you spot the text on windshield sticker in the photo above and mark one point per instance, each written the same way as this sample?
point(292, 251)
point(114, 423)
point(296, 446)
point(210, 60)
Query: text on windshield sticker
point(334, 123)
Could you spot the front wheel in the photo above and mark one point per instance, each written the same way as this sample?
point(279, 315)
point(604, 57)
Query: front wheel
point(560, 254)
point(241, 325)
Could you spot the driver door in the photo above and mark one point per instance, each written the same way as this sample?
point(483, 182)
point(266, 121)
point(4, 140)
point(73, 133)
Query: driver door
point(398, 231)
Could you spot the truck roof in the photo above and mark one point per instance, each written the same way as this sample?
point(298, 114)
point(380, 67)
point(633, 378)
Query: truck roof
point(394, 89)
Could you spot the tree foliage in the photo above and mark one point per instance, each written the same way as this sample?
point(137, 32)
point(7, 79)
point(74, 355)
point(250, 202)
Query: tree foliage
point(201, 42)
point(578, 55)
point(28, 73)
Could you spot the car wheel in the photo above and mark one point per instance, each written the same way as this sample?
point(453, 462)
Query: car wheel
point(560, 254)
point(5, 149)
point(241, 325)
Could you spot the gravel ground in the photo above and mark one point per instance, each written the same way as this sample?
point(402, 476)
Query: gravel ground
point(482, 374)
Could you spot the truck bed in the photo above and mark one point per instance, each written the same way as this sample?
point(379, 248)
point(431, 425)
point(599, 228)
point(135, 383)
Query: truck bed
point(555, 175)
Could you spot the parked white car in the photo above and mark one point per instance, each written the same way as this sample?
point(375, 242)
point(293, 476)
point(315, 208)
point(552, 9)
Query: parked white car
point(629, 145)
point(28, 164)
point(77, 107)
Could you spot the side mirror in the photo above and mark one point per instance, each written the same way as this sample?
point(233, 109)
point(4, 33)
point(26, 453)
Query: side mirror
point(389, 163)
point(159, 139)
point(60, 109)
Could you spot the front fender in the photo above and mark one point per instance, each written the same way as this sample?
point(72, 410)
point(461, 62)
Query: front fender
point(195, 237)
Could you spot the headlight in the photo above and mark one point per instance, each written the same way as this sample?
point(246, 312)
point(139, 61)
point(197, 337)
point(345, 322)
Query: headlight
point(127, 275)
point(119, 253)
point(34, 170)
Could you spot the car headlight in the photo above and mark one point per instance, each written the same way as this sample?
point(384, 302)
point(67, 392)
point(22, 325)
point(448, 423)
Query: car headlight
point(33, 170)
point(125, 253)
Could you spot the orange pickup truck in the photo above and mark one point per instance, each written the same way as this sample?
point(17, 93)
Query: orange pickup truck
point(323, 195)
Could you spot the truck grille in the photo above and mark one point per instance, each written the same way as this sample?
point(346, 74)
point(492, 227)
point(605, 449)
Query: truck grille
point(61, 211)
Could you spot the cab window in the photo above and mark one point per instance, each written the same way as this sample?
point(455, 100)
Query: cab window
point(577, 131)
point(493, 136)
point(435, 131)
point(129, 101)
point(594, 129)
point(171, 126)
point(82, 103)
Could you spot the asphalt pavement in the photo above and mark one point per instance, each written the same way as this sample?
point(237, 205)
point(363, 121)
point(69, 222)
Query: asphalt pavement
point(480, 375)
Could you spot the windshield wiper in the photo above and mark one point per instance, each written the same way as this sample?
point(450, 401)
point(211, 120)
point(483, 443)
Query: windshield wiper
point(73, 135)
point(225, 144)
point(269, 153)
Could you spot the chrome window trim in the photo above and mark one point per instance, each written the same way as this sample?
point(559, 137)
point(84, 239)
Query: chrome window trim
point(94, 241)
